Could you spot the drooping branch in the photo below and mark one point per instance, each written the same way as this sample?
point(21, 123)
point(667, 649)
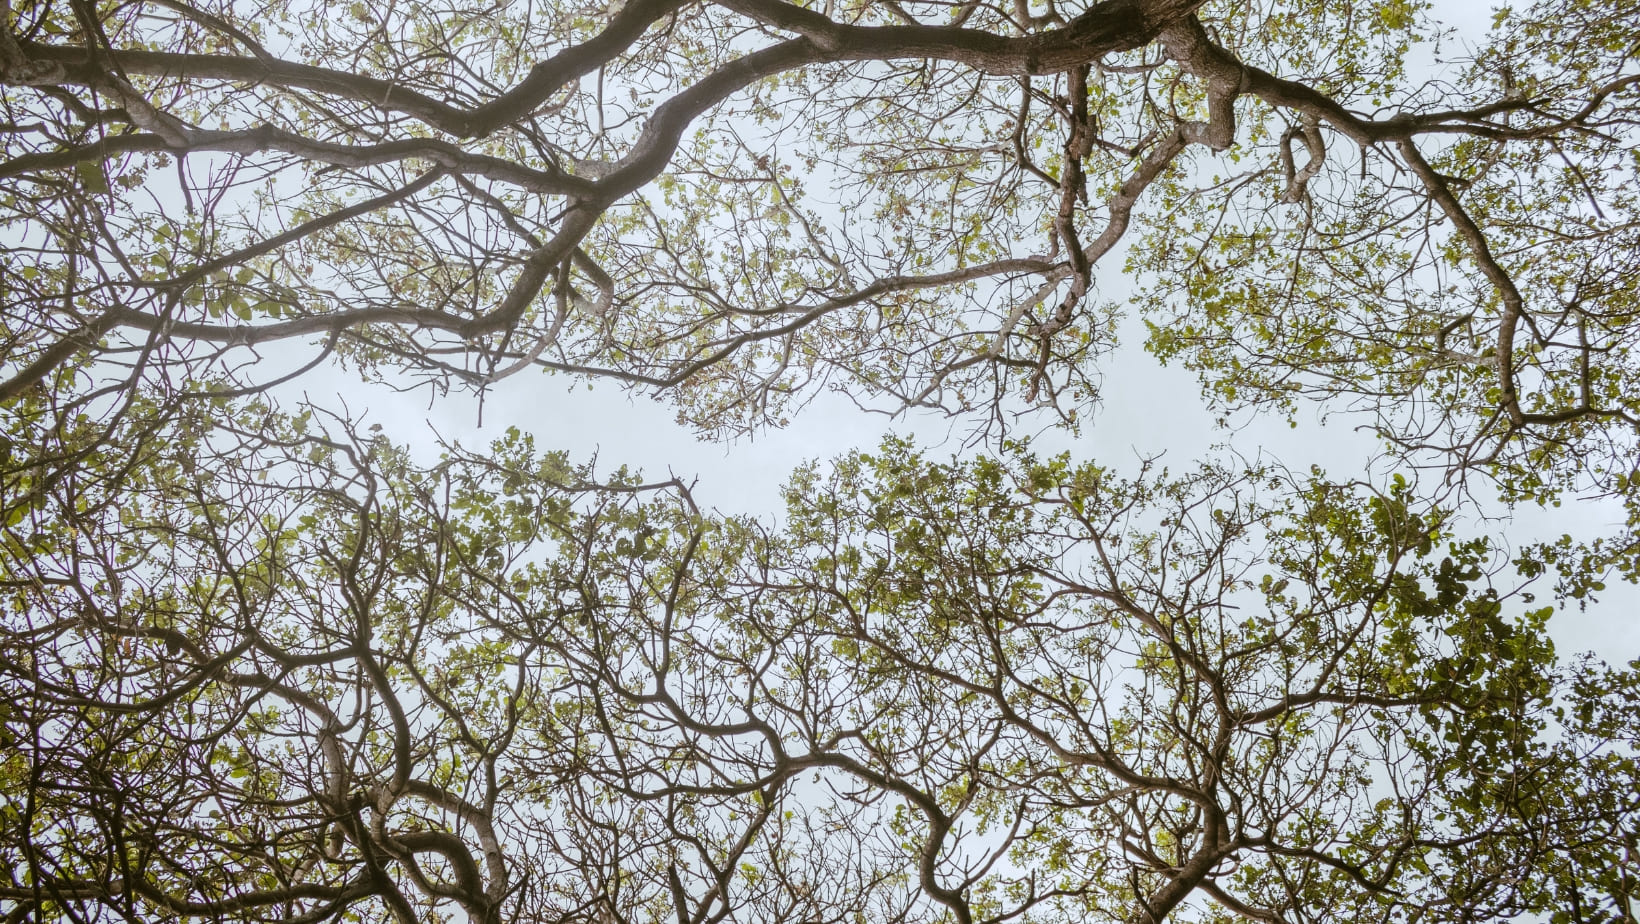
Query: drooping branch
point(1480, 251)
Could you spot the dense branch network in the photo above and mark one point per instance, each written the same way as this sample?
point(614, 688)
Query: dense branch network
point(742, 203)
point(268, 668)
point(309, 679)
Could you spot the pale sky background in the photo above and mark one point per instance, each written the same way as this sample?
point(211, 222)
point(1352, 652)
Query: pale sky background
point(1147, 410)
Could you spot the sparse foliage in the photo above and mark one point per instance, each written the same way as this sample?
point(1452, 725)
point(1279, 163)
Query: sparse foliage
point(740, 202)
point(258, 666)
point(319, 681)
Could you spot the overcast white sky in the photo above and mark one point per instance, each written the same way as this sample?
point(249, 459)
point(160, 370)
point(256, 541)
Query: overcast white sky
point(1147, 410)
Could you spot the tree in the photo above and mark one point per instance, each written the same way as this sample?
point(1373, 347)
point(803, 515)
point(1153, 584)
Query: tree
point(741, 203)
point(256, 666)
point(318, 681)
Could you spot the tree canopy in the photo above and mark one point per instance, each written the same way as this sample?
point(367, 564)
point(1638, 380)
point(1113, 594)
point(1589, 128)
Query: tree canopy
point(256, 664)
point(318, 680)
point(740, 203)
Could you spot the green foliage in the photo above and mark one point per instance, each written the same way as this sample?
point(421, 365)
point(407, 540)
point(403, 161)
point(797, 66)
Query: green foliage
point(263, 666)
point(503, 681)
